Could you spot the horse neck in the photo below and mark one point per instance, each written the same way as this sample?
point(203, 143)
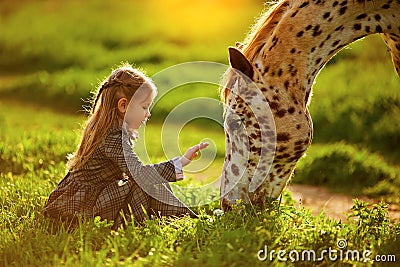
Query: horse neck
point(308, 35)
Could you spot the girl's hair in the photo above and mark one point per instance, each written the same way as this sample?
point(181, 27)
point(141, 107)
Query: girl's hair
point(122, 82)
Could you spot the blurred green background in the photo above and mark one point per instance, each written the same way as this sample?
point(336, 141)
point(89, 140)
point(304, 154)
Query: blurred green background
point(54, 53)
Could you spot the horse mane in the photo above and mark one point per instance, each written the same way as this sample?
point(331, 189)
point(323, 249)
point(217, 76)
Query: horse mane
point(260, 32)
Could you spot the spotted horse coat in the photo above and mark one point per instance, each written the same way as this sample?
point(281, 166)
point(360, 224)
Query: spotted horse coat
point(267, 89)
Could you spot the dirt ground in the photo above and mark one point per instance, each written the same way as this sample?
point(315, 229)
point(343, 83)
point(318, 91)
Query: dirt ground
point(334, 205)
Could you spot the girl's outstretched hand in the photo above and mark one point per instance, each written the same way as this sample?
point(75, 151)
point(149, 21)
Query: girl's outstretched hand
point(191, 153)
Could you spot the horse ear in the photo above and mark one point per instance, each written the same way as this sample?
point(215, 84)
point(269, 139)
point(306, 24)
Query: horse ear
point(238, 61)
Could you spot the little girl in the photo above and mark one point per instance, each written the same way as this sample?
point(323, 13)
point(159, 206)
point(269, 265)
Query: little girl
point(105, 177)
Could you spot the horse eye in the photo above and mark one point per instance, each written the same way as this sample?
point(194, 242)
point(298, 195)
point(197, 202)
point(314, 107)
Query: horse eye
point(235, 124)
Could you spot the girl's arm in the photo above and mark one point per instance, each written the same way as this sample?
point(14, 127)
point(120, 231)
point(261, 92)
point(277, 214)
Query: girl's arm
point(119, 149)
point(191, 153)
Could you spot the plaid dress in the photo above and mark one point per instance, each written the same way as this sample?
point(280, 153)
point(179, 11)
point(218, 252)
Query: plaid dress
point(115, 185)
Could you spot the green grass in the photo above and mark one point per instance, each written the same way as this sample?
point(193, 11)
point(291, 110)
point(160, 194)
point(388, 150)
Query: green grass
point(357, 99)
point(361, 173)
point(33, 153)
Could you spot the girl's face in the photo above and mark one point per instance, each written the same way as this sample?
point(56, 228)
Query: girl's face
point(138, 111)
